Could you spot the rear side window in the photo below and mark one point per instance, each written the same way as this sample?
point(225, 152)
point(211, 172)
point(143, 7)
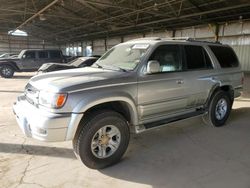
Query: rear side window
point(196, 58)
point(55, 54)
point(225, 56)
point(43, 54)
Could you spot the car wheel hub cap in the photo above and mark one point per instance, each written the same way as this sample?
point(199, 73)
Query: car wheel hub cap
point(6, 71)
point(105, 141)
point(221, 109)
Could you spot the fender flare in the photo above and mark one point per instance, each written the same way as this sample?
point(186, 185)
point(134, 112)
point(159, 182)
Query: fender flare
point(10, 63)
point(83, 106)
point(214, 88)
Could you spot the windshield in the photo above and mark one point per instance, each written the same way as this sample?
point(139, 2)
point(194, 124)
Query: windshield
point(125, 56)
point(3, 55)
point(20, 55)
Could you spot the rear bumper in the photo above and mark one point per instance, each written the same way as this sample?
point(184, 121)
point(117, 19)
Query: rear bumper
point(43, 125)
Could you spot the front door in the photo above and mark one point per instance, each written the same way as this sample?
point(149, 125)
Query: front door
point(163, 94)
point(28, 60)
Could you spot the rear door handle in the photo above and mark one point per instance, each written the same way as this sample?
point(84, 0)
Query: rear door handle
point(179, 81)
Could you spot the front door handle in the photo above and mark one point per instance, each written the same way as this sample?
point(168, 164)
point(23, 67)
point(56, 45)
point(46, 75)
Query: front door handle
point(179, 81)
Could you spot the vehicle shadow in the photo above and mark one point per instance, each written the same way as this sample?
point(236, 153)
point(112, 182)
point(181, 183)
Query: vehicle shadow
point(36, 150)
point(22, 77)
point(181, 154)
point(10, 91)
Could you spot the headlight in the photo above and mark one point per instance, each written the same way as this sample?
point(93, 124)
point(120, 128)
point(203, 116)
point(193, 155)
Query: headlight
point(52, 100)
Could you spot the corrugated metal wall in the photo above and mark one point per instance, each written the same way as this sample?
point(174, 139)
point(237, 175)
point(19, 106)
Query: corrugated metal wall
point(236, 34)
point(15, 44)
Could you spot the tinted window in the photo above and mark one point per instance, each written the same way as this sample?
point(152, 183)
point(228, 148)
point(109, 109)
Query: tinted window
point(43, 54)
point(29, 55)
point(169, 57)
point(88, 62)
point(196, 58)
point(55, 54)
point(225, 56)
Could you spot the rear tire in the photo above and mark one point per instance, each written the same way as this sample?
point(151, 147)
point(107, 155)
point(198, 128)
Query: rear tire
point(219, 109)
point(102, 139)
point(6, 71)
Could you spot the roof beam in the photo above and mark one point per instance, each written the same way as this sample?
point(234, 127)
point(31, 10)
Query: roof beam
point(37, 14)
point(195, 5)
point(116, 17)
point(86, 3)
point(84, 35)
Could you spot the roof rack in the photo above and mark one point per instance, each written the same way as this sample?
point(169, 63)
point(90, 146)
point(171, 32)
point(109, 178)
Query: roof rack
point(193, 40)
point(177, 38)
point(146, 38)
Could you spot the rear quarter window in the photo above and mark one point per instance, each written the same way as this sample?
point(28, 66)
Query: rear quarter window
point(225, 56)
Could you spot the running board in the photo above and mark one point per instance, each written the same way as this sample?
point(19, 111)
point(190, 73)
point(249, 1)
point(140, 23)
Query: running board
point(160, 123)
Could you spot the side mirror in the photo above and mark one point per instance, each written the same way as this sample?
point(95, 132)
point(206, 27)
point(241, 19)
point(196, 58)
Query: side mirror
point(153, 66)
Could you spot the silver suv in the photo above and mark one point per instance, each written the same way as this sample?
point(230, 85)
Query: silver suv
point(135, 86)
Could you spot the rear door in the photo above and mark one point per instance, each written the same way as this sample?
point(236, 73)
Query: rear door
point(43, 57)
point(55, 56)
point(198, 74)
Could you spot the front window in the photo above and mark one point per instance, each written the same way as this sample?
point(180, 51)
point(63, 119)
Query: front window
point(124, 56)
point(29, 55)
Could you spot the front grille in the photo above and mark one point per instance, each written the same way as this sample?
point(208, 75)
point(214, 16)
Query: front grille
point(31, 94)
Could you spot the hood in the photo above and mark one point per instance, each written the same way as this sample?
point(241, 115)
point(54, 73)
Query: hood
point(74, 79)
point(9, 59)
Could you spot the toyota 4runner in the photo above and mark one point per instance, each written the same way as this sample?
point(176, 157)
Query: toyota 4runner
point(136, 86)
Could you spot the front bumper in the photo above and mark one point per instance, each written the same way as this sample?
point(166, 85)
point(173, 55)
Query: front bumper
point(43, 125)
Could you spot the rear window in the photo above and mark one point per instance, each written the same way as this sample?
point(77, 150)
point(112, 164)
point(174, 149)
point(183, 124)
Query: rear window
point(225, 56)
point(196, 58)
point(55, 54)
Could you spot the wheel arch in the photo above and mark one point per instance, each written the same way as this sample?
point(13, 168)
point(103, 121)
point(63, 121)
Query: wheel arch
point(123, 105)
point(11, 63)
point(225, 87)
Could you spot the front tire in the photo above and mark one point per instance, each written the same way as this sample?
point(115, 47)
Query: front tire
point(102, 140)
point(6, 71)
point(219, 109)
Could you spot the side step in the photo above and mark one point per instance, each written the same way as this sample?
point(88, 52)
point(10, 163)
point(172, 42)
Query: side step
point(160, 123)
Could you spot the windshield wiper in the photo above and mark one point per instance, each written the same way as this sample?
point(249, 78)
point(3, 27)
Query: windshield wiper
point(118, 68)
point(99, 66)
point(110, 67)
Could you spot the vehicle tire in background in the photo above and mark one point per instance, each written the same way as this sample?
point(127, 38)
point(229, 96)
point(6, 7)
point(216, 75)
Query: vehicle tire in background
point(102, 139)
point(219, 109)
point(6, 71)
